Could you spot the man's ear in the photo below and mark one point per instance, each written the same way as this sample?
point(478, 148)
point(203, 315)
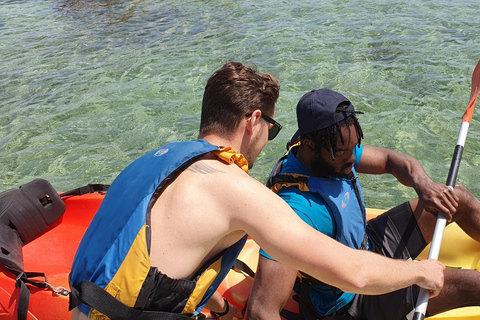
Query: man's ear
point(309, 144)
point(252, 121)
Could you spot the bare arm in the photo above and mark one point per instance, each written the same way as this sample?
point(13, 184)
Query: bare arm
point(271, 290)
point(280, 232)
point(435, 197)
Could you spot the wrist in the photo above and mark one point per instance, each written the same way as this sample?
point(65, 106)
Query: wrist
point(226, 309)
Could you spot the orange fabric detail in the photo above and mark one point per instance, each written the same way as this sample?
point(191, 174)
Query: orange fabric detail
point(230, 156)
point(302, 186)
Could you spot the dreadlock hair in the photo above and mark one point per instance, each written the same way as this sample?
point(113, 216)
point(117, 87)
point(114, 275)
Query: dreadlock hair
point(327, 137)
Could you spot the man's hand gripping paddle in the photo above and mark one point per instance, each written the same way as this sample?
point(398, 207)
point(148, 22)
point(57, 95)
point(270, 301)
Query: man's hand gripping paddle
point(422, 302)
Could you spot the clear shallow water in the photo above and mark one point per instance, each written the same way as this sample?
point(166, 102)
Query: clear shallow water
point(86, 87)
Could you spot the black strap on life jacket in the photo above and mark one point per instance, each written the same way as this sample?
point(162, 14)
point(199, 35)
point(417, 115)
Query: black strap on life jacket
point(243, 267)
point(302, 287)
point(25, 214)
point(89, 293)
point(286, 178)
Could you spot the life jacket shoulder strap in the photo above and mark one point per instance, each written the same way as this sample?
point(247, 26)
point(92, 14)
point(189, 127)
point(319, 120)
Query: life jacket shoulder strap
point(276, 181)
point(279, 181)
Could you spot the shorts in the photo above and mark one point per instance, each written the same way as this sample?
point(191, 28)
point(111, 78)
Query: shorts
point(393, 234)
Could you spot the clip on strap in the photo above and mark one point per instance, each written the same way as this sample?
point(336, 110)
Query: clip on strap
point(21, 283)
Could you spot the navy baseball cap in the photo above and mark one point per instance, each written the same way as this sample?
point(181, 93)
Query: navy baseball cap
point(317, 110)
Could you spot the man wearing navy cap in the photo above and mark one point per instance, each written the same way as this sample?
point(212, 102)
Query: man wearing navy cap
point(318, 179)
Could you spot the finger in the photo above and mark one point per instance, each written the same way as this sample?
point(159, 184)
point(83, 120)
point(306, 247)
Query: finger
point(445, 209)
point(439, 208)
point(434, 293)
point(452, 197)
point(451, 208)
point(455, 195)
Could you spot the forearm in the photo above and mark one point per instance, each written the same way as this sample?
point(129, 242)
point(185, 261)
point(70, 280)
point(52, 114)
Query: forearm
point(259, 313)
point(293, 243)
point(407, 170)
point(375, 274)
point(271, 289)
point(434, 197)
point(360, 271)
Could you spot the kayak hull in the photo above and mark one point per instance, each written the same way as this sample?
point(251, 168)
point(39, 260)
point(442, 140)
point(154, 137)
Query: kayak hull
point(53, 253)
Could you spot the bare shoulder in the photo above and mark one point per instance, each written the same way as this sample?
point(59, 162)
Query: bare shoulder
point(227, 186)
point(211, 185)
point(224, 178)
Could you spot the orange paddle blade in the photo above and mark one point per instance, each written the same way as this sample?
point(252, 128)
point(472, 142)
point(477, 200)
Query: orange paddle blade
point(467, 116)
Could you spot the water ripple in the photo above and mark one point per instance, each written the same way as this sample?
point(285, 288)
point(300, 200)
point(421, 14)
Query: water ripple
point(88, 86)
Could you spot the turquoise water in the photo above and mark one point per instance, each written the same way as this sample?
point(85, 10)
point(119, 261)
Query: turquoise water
point(88, 86)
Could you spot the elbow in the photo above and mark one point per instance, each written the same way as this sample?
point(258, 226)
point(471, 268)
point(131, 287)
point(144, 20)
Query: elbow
point(358, 282)
point(359, 285)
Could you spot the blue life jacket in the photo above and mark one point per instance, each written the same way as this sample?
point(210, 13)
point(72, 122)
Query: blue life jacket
point(342, 195)
point(344, 198)
point(115, 250)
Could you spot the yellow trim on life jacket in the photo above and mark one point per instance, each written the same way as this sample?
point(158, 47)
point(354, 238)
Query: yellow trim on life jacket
point(129, 278)
point(230, 156)
point(202, 285)
point(296, 144)
point(301, 185)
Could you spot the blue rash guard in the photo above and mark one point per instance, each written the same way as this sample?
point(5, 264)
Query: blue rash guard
point(312, 209)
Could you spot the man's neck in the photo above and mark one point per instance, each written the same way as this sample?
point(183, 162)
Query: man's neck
point(220, 141)
point(305, 158)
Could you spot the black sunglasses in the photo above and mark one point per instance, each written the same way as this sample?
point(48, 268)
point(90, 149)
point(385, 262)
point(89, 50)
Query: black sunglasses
point(274, 130)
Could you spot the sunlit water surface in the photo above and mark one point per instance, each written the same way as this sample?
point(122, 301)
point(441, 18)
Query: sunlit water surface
point(88, 86)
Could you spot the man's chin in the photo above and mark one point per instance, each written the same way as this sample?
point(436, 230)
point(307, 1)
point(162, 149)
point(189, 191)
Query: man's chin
point(343, 174)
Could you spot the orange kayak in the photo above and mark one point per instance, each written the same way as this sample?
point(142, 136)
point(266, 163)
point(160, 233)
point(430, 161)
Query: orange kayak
point(53, 252)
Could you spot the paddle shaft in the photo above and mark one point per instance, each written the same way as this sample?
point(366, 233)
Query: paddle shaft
point(424, 295)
